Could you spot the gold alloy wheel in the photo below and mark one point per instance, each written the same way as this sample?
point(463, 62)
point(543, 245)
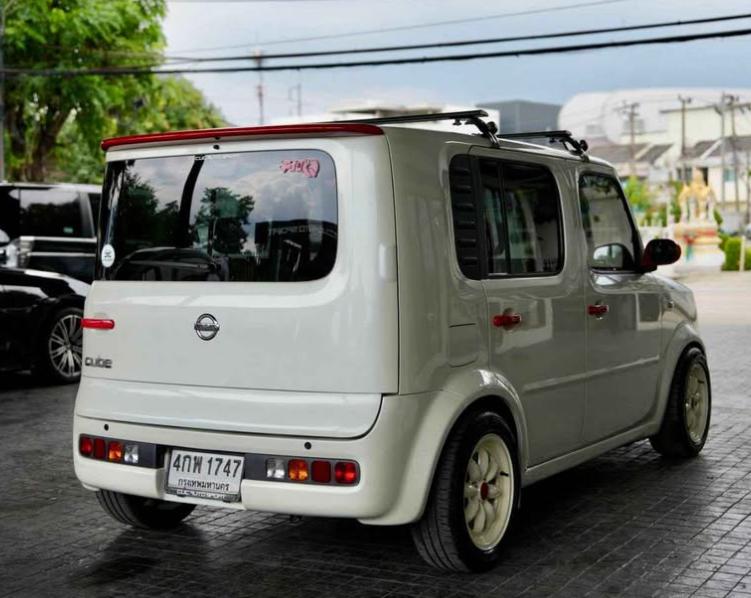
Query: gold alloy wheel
point(488, 491)
point(696, 403)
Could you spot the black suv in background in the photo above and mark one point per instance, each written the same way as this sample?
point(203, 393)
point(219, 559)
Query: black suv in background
point(49, 227)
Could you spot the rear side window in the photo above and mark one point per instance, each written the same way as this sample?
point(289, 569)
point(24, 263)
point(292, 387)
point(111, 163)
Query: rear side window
point(519, 218)
point(53, 212)
point(240, 217)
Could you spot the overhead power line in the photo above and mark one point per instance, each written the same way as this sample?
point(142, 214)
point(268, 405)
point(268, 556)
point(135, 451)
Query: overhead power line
point(503, 15)
point(109, 71)
point(476, 42)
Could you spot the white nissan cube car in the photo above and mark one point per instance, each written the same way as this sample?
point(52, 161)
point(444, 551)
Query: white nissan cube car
point(373, 321)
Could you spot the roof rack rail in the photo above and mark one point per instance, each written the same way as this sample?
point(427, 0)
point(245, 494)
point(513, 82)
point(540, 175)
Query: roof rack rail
point(579, 147)
point(470, 117)
point(488, 129)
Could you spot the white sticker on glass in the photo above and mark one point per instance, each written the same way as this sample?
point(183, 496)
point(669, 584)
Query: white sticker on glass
point(108, 255)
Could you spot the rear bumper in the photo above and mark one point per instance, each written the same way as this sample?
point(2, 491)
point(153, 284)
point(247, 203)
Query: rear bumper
point(383, 455)
point(268, 412)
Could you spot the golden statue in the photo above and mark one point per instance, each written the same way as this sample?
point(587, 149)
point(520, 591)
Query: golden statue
point(696, 200)
point(697, 232)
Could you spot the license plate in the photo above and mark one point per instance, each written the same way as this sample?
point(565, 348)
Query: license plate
point(205, 475)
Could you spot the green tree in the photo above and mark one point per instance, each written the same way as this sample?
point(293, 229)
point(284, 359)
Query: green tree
point(218, 223)
point(638, 194)
point(54, 124)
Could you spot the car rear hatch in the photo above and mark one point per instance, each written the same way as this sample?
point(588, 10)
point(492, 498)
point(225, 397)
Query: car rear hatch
point(250, 283)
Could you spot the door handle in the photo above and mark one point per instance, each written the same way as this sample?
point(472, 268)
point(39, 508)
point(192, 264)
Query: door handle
point(507, 320)
point(598, 310)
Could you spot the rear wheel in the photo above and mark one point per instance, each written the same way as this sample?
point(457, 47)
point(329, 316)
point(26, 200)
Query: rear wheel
point(145, 513)
point(61, 347)
point(474, 496)
point(685, 424)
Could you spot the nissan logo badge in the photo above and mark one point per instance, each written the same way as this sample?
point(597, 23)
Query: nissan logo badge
point(206, 327)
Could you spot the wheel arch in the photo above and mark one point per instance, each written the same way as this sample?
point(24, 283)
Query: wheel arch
point(467, 394)
point(684, 338)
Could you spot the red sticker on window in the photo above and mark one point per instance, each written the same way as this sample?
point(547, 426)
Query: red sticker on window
point(309, 168)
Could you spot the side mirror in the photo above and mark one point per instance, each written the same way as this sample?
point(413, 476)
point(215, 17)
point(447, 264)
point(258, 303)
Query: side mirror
point(613, 256)
point(659, 252)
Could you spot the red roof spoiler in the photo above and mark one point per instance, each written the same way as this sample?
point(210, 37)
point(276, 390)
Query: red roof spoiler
point(327, 129)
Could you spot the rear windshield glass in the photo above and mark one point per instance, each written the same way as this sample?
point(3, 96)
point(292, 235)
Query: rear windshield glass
point(54, 213)
point(253, 216)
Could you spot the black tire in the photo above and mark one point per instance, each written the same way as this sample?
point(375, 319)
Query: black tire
point(674, 439)
point(47, 366)
point(441, 536)
point(144, 513)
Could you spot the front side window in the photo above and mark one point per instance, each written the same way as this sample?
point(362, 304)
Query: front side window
point(240, 217)
point(611, 241)
point(53, 212)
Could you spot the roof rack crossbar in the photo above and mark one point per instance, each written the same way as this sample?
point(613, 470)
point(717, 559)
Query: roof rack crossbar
point(488, 129)
point(578, 146)
point(470, 117)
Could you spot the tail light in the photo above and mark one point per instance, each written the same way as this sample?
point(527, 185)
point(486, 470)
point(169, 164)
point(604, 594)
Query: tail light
point(141, 454)
point(297, 470)
point(99, 448)
point(114, 451)
point(321, 471)
point(85, 446)
point(345, 472)
point(317, 471)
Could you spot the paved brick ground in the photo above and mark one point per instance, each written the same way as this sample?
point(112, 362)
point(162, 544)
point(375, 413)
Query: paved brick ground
point(626, 524)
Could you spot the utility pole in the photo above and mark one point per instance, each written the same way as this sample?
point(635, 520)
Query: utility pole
point(684, 102)
point(720, 109)
point(295, 94)
point(258, 55)
point(732, 103)
point(630, 110)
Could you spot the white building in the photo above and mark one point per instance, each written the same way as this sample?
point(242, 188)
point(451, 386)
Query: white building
point(376, 109)
point(661, 134)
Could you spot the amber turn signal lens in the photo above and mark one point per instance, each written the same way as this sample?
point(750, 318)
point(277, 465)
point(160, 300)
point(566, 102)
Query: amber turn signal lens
point(297, 470)
point(114, 451)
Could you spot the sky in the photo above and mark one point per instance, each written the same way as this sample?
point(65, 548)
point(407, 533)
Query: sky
point(194, 27)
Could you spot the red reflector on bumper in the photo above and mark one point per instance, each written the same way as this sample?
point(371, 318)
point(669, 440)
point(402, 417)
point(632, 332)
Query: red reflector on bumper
point(97, 324)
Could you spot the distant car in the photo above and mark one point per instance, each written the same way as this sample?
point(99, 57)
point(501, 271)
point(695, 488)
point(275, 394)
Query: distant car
point(40, 323)
point(49, 227)
point(747, 232)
